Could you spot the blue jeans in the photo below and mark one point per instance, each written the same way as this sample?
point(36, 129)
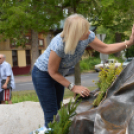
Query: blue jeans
point(50, 93)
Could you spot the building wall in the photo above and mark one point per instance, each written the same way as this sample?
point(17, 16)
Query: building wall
point(8, 55)
point(5, 45)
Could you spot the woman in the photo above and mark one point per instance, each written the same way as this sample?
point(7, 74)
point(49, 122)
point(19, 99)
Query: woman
point(64, 51)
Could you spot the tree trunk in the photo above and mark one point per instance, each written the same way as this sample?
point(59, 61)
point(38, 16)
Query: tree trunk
point(34, 47)
point(77, 74)
point(77, 66)
point(117, 39)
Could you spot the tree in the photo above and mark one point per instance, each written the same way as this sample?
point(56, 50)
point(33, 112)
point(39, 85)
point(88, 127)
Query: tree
point(117, 18)
point(18, 17)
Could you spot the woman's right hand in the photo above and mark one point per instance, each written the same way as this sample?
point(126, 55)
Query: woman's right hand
point(83, 91)
point(131, 40)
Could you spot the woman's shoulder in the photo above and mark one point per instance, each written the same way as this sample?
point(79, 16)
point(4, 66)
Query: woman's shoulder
point(91, 36)
point(57, 37)
point(57, 40)
point(91, 33)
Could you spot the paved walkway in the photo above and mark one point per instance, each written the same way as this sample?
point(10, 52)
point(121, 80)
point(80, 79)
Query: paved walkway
point(28, 78)
point(20, 79)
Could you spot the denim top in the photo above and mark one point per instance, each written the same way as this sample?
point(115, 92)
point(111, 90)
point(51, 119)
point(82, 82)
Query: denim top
point(67, 60)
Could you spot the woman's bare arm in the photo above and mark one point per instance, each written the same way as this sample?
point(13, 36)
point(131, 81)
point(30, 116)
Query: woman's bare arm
point(53, 66)
point(99, 46)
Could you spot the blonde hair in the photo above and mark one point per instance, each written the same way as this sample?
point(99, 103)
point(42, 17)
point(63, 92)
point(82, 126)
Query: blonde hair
point(74, 28)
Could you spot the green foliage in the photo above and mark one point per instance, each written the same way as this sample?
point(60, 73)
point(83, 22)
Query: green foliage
point(114, 17)
point(110, 35)
point(107, 2)
point(62, 127)
point(115, 14)
point(88, 64)
point(106, 78)
point(85, 7)
point(18, 17)
point(20, 96)
point(96, 54)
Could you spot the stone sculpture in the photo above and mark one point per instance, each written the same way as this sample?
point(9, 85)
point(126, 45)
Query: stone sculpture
point(115, 114)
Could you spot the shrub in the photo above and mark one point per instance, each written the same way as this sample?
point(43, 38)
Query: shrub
point(88, 64)
point(106, 78)
point(65, 113)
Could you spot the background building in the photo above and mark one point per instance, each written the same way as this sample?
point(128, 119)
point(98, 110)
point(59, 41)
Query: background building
point(20, 57)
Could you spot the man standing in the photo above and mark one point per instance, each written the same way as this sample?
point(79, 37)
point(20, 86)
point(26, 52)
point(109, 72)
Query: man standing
point(6, 81)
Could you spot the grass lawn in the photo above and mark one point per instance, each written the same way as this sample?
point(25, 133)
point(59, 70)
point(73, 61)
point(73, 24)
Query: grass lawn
point(30, 95)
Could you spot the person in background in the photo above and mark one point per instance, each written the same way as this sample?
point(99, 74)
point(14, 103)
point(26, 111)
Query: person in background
point(6, 81)
point(63, 52)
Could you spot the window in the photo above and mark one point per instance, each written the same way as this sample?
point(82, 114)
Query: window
point(15, 57)
point(28, 57)
point(41, 42)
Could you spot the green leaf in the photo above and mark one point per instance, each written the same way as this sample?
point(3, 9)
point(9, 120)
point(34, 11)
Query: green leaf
point(107, 3)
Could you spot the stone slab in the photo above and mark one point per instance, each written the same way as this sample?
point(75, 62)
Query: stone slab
point(21, 118)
